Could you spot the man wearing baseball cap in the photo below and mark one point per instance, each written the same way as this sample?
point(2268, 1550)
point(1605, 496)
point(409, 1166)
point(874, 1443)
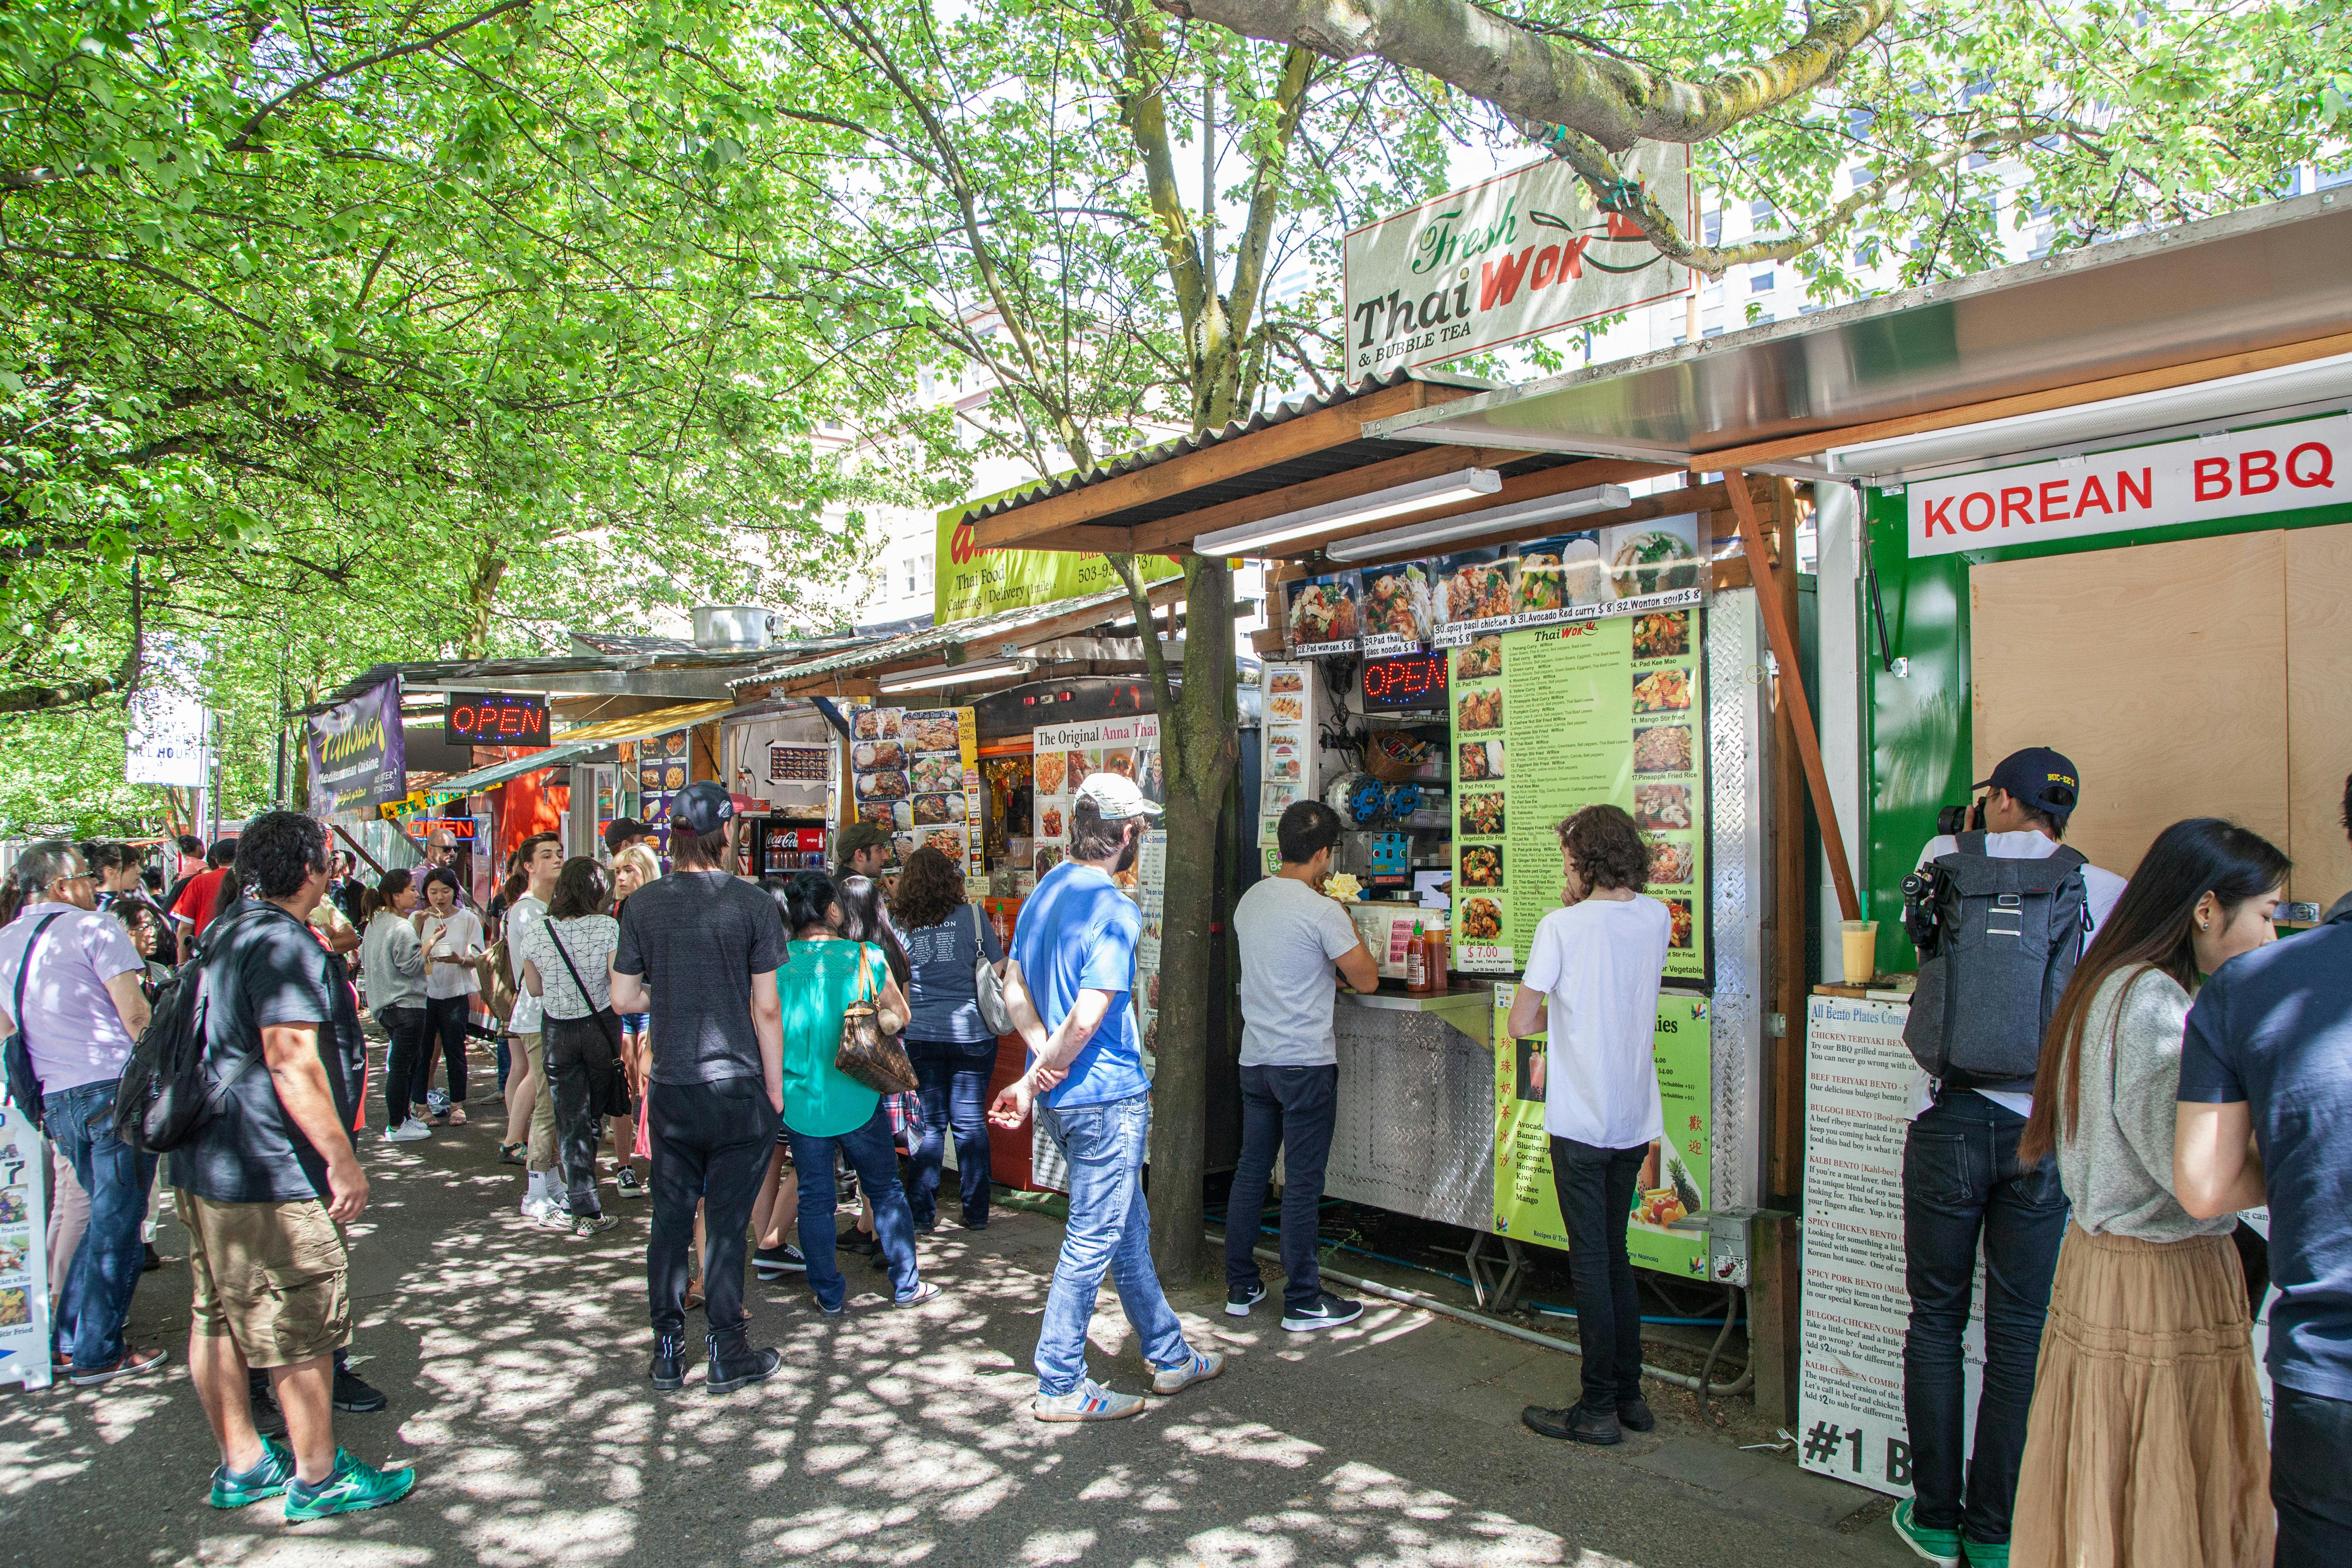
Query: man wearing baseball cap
point(1964, 1140)
point(699, 950)
point(624, 831)
point(1070, 988)
point(861, 849)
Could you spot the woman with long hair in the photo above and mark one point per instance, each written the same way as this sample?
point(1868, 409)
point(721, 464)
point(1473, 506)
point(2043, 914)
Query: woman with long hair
point(954, 1052)
point(566, 960)
point(452, 937)
point(633, 868)
point(826, 1109)
point(392, 967)
point(2145, 1444)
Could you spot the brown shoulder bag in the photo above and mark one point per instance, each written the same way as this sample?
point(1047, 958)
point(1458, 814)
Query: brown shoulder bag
point(868, 1054)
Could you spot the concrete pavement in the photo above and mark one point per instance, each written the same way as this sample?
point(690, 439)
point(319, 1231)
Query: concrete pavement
point(514, 1357)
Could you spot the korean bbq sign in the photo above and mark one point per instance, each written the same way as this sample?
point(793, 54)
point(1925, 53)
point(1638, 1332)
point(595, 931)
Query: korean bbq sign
point(2282, 468)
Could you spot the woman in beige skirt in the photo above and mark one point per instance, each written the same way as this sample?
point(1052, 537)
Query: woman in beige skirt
point(2145, 1445)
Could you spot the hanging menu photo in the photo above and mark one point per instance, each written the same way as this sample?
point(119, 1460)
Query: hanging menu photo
point(1549, 721)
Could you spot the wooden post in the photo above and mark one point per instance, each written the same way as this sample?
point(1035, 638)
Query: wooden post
point(1775, 1297)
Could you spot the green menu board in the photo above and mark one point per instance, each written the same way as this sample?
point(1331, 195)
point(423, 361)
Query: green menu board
point(1552, 719)
point(1676, 1176)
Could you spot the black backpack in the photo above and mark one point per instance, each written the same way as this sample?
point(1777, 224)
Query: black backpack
point(169, 1087)
point(1998, 941)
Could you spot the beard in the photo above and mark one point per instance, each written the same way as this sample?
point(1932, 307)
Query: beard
point(1128, 851)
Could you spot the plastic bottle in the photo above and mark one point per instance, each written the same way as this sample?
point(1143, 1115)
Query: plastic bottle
point(1416, 964)
point(1435, 954)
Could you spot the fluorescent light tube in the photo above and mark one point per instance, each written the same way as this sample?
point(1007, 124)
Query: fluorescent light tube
point(1494, 519)
point(1443, 489)
point(958, 674)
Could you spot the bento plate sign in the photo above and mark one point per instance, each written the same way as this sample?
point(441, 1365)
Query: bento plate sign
point(2281, 468)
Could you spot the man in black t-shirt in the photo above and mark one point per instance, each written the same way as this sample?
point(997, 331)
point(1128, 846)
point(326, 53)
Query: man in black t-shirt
point(266, 1186)
point(700, 951)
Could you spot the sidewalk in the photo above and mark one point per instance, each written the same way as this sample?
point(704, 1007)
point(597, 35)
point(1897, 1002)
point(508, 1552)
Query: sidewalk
point(514, 1357)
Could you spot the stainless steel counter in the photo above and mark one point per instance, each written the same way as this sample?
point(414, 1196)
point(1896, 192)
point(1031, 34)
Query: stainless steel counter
point(1415, 1128)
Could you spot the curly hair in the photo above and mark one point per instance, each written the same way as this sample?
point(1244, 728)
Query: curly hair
point(929, 890)
point(277, 853)
point(1606, 847)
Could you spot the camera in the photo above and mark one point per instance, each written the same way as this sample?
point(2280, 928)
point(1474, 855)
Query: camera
point(1969, 818)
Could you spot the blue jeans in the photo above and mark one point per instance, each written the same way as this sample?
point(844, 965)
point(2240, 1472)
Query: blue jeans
point(2311, 1476)
point(953, 1076)
point(1290, 1110)
point(875, 1159)
point(105, 1268)
point(1961, 1182)
point(1110, 1229)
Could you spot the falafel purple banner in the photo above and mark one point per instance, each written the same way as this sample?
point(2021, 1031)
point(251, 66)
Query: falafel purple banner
point(358, 757)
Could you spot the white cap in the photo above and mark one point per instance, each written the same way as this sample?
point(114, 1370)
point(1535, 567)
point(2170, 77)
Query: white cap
point(1115, 797)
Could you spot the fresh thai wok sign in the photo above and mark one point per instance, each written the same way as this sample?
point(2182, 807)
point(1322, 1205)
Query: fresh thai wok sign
point(1521, 254)
point(358, 757)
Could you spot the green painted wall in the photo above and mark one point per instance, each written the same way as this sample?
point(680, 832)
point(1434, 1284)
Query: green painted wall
point(1916, 726)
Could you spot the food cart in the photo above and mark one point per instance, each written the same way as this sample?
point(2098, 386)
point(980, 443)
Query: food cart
point(2090, 501)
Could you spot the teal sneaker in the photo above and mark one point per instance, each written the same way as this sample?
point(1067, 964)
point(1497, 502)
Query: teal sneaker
point(353, 1487)
point(267, 1479)
point(1941, 1547)
point(1977, 1554)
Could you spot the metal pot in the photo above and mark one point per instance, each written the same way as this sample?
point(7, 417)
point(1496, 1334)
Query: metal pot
point(727, 626)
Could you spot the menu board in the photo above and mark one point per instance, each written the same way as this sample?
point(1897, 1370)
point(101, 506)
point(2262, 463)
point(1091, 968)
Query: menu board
point(1062, 756)
point(1322, 618)
point(1287, 758)
point(661, 769)
point(1677, 1175)
point(24, 1251)
point(1550, 720)
point(909, 776)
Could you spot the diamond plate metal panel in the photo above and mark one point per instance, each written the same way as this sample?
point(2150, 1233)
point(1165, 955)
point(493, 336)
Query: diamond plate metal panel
point(1415, 1132)
point(1736, 717)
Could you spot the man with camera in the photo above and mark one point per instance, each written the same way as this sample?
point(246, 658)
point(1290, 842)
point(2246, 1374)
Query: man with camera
point(1997, 943)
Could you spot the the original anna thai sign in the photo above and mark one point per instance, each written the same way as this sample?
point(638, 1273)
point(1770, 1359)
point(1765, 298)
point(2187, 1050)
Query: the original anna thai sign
point(1522, 254)
point(357, 756)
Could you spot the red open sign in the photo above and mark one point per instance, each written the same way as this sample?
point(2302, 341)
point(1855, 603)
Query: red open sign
point(495, 719)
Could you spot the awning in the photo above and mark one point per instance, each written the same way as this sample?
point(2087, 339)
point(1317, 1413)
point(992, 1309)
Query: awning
point(576, 743)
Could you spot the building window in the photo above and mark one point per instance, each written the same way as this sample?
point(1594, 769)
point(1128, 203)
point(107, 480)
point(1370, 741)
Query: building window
point(1761, 280)
point(1760, 215)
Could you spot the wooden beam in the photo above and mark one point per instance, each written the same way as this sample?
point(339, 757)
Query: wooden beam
point(1555, 481)
point(1781, 450)
point(1213, 464)
point(1428, 463)
point(1781, 628)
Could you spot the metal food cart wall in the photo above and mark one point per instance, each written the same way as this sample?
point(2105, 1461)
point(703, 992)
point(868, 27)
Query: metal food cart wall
point(1415, 1132)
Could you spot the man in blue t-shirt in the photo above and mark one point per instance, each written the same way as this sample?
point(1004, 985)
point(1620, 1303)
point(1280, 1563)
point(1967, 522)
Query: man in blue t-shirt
point(1070, 992)
point(2269, 1050)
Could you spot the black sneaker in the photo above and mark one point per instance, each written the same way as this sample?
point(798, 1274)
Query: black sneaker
point(1240, 1299)
point(668, 1371)
point(1576, 1424)
point(355, 1395)
point(737, 1366)
point(1328, 1312)
point(775, 1262)
point(267, 1418)
point(1634, 1415)
point(151, 1259)
point(859, 1242)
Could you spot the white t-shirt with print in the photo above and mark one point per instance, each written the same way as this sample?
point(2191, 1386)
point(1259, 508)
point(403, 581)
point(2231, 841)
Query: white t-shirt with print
point(1600, 962)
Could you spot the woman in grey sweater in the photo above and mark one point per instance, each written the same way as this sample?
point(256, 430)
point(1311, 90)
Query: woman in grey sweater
point(2145, 1444)
point(392, 967)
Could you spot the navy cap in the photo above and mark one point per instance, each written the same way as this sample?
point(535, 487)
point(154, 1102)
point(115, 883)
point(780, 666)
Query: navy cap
point(704, 806)
point(2039, 777)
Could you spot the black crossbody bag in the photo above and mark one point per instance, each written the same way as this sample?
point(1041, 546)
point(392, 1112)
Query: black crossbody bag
point(24, 1088)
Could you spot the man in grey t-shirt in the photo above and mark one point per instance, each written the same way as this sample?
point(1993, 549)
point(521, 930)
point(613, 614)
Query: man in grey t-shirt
point(1291, 937)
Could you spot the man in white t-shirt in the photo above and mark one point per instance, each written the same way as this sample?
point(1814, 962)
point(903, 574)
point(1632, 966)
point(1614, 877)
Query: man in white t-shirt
point(1962, 1184)
point(1593, 981)
point(1291, 937)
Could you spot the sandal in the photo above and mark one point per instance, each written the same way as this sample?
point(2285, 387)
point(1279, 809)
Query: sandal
point(456, 1116)
point(512, 1153)
point(693, 1298)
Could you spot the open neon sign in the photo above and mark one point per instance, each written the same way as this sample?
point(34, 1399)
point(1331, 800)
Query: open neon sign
point(495, 719)
point(1405, 680)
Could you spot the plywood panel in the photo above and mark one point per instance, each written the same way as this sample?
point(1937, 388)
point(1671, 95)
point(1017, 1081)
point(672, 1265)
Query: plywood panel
point(2318, 709)
point(2159, 669)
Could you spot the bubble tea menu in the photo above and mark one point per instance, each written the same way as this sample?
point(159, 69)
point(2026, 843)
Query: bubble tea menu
point(1550, 720)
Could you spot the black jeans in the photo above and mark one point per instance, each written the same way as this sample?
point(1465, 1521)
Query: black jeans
point(953, 1077)
point(1961, 1183)
point(1596, 1201)
point(2311, 1477)
point(583, 1073)
point(402, 1057)
point(444, 1022)
point(711, 1144)
point(1288, 1109)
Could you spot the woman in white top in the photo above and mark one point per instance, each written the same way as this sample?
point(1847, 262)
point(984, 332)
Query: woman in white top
point(2145, 1442)
point(452, 937)
point(565, 962)
point(392, 966)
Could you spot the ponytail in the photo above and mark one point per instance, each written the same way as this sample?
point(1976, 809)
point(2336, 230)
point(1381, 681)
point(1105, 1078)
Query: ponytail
point(378, 899)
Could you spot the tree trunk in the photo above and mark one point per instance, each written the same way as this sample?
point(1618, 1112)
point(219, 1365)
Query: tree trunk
point(1199, 744)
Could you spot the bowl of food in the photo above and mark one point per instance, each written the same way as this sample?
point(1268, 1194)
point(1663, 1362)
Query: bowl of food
point(1482, 920)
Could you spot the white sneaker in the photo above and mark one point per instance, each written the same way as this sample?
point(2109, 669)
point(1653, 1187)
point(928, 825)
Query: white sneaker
point(1200, 1366)
point(1090, 1401)
point(408, 1131)
point(538, 1206)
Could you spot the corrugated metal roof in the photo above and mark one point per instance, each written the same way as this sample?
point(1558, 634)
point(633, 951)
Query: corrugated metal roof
point(1280, 413)
point(529, 674)
point(575, 743)
point(976, 630)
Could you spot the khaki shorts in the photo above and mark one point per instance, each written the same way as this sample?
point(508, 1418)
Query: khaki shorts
point(272, 1276)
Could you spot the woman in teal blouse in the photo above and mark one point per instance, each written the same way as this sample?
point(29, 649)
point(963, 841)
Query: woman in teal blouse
point(825, 1109)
